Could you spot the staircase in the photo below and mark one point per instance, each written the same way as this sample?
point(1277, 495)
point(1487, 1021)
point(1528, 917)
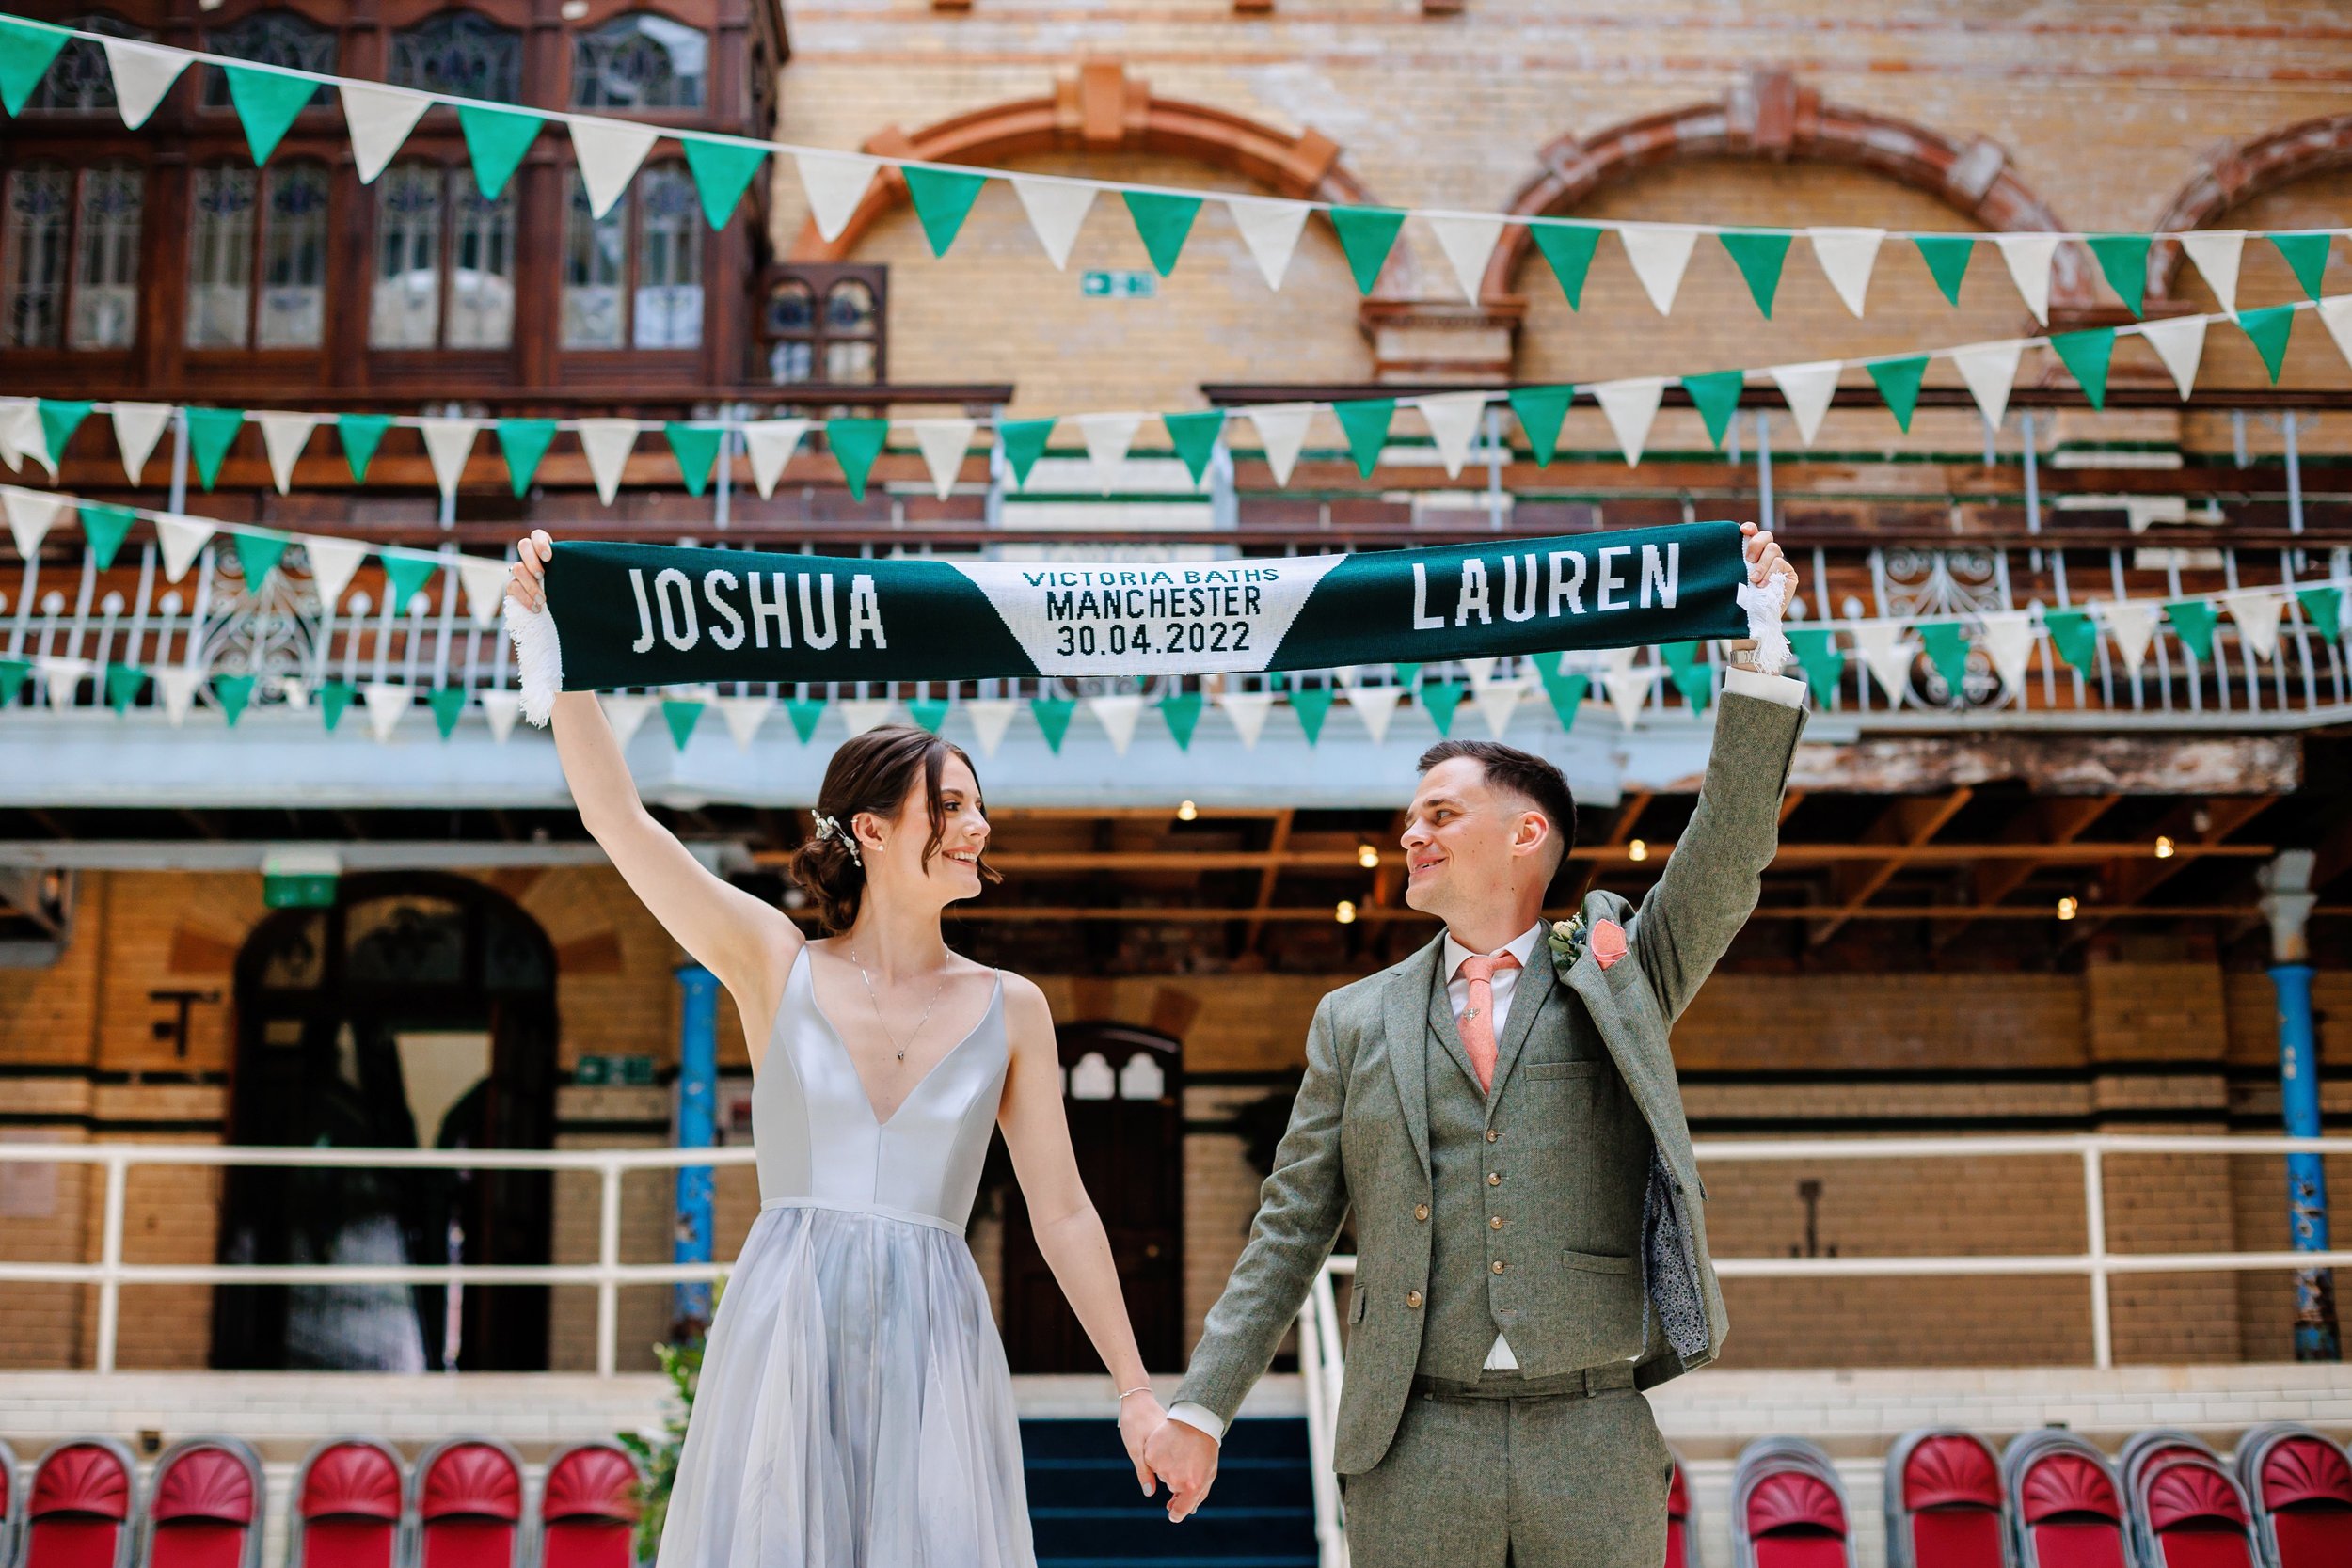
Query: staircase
point(1087, 1511)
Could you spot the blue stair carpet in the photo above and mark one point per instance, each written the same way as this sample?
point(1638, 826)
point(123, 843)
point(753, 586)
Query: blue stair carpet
point(1087, 1510)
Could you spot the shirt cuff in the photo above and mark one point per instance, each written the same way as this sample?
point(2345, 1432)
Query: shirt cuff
point(1199, 1416)
point(1784, 689)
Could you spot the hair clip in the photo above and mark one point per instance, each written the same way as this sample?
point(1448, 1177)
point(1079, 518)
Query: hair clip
point(830, 827)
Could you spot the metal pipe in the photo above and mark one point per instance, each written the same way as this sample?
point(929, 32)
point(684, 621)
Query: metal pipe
point(2286, 903)
point(697, 1128)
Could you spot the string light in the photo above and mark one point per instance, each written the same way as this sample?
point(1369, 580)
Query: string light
point(1187, 811)
point(2164, 848)
point(1637, 851)
point(1345, 913)
point(1367, 857)
point(2066, 909)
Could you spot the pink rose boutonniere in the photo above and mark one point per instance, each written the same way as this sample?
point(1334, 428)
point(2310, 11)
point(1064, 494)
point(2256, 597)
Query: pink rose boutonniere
point(1569, 937)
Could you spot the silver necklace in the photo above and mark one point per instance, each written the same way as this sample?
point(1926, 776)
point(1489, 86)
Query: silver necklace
point(876, 1002)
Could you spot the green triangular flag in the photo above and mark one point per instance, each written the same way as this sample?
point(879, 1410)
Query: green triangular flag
point(1053, 717)
point(233, 691)
point(266, 101)
point(1568, 246)
point(1182, 713)
point(361, 433)
point(1898, 384)
point(13, 672)
point(25, 50)
point(928, 712)
point(2125, 259)
point(2306, 253)
point(1024, 443)
point(1948, 257)
point(696, 449)
point(2192, 621)
point(1947, 647)
point(123, 682)
point(497, 141)
point(60, 420)
point(680, 714)
point(855, 444)
point(1439, 699)
point(2086, 353)
point(2322, 607)
point(1542, 410)
point(334, 697)
point(1365, 235)
point(1688, 672)
point(524, 442)
point(1162, 222)
point(447, 703)
point(805, 712)
point(1717, 397)
point(1817, 653)
point(2075, 636)
point(942, 200)
point(2267, 330)
point(404, 574)
point(1366, 422)
point(1760, 254)
point(1408, 675)
point(210, 433)
point(1566, 693)
point(1195, 438)
point(104, 527)
point(723, 171)
point(1312, 704)
point(258, 555)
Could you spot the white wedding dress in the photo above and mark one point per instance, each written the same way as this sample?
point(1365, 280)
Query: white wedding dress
point(854, 1409)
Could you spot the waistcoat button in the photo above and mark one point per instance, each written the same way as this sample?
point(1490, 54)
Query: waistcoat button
point(1412, 1298)
point(1421, 1210)
point(1495, 1223)
point(1498, 1265)
point(1494, 1178)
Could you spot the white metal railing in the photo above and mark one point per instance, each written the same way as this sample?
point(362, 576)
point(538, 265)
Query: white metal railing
point(1322, 1353)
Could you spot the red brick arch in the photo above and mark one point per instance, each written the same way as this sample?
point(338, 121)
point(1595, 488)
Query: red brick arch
point(2236, 175)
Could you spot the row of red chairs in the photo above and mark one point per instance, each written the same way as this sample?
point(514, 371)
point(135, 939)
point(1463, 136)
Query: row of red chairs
point(355, 1505)
point(2048, 1500)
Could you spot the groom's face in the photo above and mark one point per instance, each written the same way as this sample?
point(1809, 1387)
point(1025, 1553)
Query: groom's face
point(1462, 840)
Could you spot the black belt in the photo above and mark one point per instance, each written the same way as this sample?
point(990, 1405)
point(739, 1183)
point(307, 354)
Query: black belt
point(1511, 1385)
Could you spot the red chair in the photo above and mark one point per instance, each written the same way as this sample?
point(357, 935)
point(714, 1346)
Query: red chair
point(11, 1505)
point(1943, 1501)
point(347, 1507)
point(2065, 1511)
point(467, 1503)
point(203, 1506)
point(1678, 1519)
point(78, 1514)
point(2300, 1487)
point(2193, 1515)
point(1787, 1510)
point(588, 1509)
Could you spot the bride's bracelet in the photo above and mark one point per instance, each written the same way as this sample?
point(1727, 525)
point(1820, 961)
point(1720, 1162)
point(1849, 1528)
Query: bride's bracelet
point(1130, 1393)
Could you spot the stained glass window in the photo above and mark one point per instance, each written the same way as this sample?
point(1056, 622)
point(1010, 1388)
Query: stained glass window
point(640, 61)
point(852, 327)
point(824, 324)
point(220, 256)
point(107, 257)
point(31, 271)
point(481, 266)
point(270, 38)
point(404, 309)
point(459, 52)
point(669, 304)
point(294, 259)
point(78, 80)
point(445, 261)
point(595, 254)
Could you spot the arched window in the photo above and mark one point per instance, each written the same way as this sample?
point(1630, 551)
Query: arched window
point(461, 52)
point(270, 38)
point(852, 332)
point(791, 330)
point(244, 224)
point(824, 324)
point(640, 61)
point(39, 215)
point(444, 262)
point(634, 277)
point(107, 256)
point(91, 216)
point(78, 81)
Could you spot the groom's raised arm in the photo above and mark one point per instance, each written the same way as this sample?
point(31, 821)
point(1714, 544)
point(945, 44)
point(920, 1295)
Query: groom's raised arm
point(1299, 1210)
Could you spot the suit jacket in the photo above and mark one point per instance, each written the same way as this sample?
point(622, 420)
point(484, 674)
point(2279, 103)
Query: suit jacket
point(1358, 1133)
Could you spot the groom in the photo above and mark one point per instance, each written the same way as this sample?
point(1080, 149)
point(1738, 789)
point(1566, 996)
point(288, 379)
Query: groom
point(1505, 1120)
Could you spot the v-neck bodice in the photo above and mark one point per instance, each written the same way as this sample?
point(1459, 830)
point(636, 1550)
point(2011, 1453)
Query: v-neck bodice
point(820, 1145)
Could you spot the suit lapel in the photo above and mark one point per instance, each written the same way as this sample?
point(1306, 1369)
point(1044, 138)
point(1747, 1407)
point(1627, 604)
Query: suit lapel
point(1629, 1052)
point(1405, 1025)
point(1530, 996)
point(1442, 1025)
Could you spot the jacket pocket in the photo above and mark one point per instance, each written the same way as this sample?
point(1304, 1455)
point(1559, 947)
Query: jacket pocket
point(1560, 1070)
point(1597, 1262)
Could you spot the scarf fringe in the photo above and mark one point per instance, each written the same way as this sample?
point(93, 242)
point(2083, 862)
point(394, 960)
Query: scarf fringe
point(540, 655)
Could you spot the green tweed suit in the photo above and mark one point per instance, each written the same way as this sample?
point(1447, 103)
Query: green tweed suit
point(1592, 1273)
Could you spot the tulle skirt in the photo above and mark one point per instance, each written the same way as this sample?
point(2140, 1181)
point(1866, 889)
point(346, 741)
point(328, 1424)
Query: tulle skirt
point(854, 1410)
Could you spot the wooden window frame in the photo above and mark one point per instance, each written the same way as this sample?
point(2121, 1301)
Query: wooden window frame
point(820, 279)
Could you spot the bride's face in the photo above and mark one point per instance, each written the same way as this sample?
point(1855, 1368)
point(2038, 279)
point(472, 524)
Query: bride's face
point(952, 872)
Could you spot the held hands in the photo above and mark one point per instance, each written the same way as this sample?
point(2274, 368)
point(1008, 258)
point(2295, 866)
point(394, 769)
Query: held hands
point(527, 579)
point(1139, 1418)
point(1185, 1458)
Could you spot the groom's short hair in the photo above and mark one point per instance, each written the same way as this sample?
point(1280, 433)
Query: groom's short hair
point(1525, 775)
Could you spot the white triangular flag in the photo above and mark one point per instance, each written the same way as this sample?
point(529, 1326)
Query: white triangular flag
point(1248, 710)
point(1632, 406)
point(380, 119)
point(63, 677)
point(284, 435)
point(1282, 431)
point(332, 561)
point(484, 578)
point(1453, 418)
point(2029, 257)
point(1886, 655)
point(1056, 209)
point(31, 515)
point(143, 73)
point(1808, 389)
point(178, 684)
point(297, 692)
point(609, 152)
point(625, 712)
point(771, 443)
point(835, 183)
point(1659, 253)
point(2133, 625)
point(2008, 641)
point(2256, 612)
point(744, 715)
point(1990, 370)
point(944, 443)
point(388, 701)
point(137, 427)
point(2335, 313)
point(22, 436)
point(2180, 343)
point(1117, 715)
point(1270, 230)
point(1847, 256)
point(1468, 242)
point(181, 538)
point(1628, 690)
point(991, 718)
point(1107, 438)
point(1481, 669)
point(2216, 253)
point(1376, 705)
point(860, 714)
point(502, 708)
point(606, 444)
point(1496, 702)
point(449, 442)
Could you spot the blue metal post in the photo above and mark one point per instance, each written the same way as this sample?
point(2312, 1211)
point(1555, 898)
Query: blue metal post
point(2287, 901)
point(697, 1128)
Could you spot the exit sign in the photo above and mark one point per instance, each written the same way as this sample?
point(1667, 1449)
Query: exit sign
point(1122, 284)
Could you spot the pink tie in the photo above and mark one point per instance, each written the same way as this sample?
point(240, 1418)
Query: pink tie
point(1478, 1019)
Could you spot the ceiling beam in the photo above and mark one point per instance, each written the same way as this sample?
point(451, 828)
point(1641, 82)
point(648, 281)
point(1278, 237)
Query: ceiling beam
point(1178, 913)
point(2128, 882)
point(2048, 821)
point(1986, 856)
point(1276, 846)
point(1907, 823)
point(1629, 809)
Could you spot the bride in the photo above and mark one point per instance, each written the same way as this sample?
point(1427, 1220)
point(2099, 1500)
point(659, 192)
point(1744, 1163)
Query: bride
point(854, 1409)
